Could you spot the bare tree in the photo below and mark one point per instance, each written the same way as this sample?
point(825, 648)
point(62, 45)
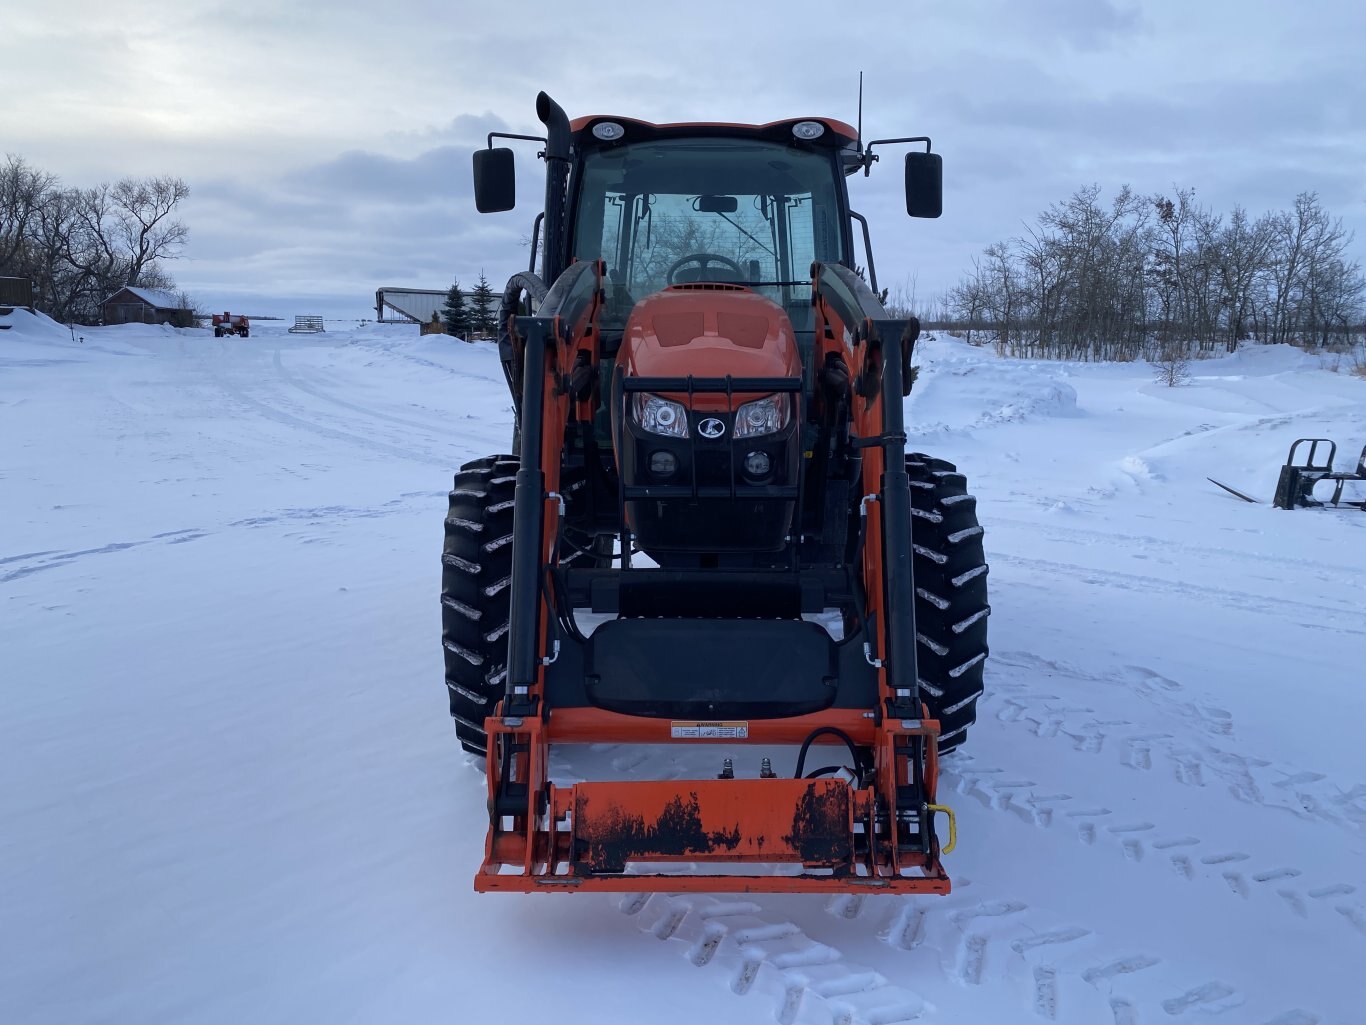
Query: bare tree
point(142, 209)
point(1172, 366)
point(92, 246)
point(1002, 294)
point(1041, 257)
point(968, 301)
point(78, 246)
point(902, 300)
point(1162, 278)
point(1307, 246)
point(23, 191)
point(61, 286)
point(1101, 251)
point(1241, 253)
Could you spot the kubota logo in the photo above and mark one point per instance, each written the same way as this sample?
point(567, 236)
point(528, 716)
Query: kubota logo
point(711, 428)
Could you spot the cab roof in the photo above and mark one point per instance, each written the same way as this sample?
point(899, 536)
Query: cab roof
point(838, 134)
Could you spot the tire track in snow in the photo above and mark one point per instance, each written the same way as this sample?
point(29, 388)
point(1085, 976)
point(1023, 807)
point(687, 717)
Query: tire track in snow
point(1054, 954)
point(1132, 840)
point(1046, 569)
point(270, 412)
point(439, 430)
point(38, 562)
point(1196, 760)
point(1059, 968)
point(1230, 870)
point(1071, 535)
point(1063, 970)
point(761, 953)
point(1002, 943)
point(394, 351)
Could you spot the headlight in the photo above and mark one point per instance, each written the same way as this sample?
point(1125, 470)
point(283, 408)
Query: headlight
point(762, 416)
point(660, 416)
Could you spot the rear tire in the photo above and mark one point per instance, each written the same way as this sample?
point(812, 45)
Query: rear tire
point(951, 607)
point(476, 575)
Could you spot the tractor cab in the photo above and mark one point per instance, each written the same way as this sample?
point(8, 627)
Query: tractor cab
point(706, 235)
point(677, 204)
point(696, 204)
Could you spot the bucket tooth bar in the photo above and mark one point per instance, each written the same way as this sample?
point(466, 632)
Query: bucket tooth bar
point(821, 835)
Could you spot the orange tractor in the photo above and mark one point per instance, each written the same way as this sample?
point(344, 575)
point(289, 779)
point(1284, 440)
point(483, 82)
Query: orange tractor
point(711, 532)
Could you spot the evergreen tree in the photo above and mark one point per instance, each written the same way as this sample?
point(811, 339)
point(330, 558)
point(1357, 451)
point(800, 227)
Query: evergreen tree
point(455, 314)
point(482, 304)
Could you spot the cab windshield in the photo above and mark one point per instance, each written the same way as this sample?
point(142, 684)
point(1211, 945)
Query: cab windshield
point(685, 210)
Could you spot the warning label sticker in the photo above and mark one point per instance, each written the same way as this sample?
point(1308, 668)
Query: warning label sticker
point(709, 730)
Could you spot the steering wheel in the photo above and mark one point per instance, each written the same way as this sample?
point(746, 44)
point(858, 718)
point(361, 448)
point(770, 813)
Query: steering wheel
point(703, 261)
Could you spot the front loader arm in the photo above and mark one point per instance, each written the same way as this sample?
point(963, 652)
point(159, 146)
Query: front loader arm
point(833, 836)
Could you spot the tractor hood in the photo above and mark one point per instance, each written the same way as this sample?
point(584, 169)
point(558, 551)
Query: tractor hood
point(709, 330)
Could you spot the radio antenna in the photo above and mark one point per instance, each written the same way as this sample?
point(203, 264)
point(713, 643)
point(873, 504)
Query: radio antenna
point(860, 111)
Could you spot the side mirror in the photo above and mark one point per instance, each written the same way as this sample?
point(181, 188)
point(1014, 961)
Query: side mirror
point(495, 180)
point(924, 184)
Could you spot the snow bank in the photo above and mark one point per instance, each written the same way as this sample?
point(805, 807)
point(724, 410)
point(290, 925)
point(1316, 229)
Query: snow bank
point(34, 326)
point(963, 388)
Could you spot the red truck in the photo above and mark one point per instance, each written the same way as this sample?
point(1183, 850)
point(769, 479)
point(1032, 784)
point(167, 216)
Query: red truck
point(227, 324)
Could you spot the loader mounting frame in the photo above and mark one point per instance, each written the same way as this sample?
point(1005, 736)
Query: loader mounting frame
point(832, 837)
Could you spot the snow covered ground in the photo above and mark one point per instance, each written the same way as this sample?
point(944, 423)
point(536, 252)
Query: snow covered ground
point(229, 791)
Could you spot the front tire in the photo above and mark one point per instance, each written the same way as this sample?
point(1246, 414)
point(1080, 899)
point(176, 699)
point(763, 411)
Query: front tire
point(951, 607)
point(476, 575)
point(476, 578)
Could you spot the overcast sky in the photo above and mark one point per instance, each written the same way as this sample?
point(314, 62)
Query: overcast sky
point(327, 146)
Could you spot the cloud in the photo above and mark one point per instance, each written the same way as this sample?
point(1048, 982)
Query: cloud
point(434, 175)
point(328, 151)
point(342, 227)
point(1085, 24)
point(469, 131)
